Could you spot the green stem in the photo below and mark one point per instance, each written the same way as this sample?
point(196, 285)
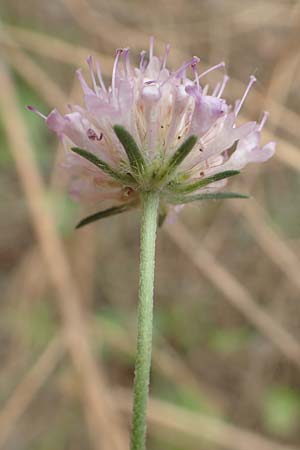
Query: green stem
point(150, 202)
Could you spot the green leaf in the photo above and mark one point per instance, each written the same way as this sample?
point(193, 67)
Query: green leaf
point(180, 154)
point(101, 165)
point(134, 154)
point(281, 409)
point(229, 341)
point(209, 196)
point(184, 396)
point(106, 213)
point(186, 188)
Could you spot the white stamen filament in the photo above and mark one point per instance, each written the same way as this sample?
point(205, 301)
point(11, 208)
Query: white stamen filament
point(90, 63)
point(205, 89)
point(143, 54)
point(240, 103)
point(196, 76)
point(167, 51)
point(223, 85)
point(217, 66)
point(216, 89)
point(99, 75)
point(181, 69)
point(263, 120)
point(127, 66)
point(82, 81)
point(151, 46)
point(184, 66)
point(114, 72)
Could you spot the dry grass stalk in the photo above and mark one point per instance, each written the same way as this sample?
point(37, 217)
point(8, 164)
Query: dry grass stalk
point(225, 436)
point(34, 76)
point(234, 292)
point(165, 359)
point(280, 253)
point(29, 387)
point(106, 421)
point(51, 47)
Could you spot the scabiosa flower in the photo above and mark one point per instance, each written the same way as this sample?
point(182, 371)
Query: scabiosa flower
point(154, 129)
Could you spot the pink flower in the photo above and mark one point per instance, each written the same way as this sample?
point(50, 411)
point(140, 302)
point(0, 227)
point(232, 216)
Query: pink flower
point(182, 136)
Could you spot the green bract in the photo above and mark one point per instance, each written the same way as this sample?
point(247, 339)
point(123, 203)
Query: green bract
point(102, 165)
point(141, 176)
point(134, 154)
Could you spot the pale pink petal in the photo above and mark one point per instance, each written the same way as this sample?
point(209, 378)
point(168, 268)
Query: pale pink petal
point(55, 122)
point(161, 109)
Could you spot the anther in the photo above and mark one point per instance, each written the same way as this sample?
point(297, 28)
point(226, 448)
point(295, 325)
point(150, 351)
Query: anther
point(91, 134)
point(33, 109)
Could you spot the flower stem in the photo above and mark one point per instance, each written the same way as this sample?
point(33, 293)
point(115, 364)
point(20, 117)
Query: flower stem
point(150, 202)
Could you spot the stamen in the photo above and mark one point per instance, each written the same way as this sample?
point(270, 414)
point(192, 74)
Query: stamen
point(99, 75)
point(236, 104)
point(33, 109)
point(205, 89)
point(114, 73)
point(240, 103)
point(181, 69)
point(167, 51)
point(142, 61)
point(196, 75)
point(217, 66)
point(263, 120)
point(85, 87)
point(187, 64)
point(90, 63)
point(127, 66)
point(151, 46)
point(216, 89)
point(223, 85)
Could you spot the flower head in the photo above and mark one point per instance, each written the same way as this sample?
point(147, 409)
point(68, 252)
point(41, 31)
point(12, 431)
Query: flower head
point(153, 129)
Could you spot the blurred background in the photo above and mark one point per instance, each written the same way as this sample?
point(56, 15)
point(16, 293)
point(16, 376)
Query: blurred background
point(226, 360)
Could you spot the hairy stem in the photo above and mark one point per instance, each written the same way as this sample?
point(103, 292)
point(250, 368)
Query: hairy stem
point(150, 201)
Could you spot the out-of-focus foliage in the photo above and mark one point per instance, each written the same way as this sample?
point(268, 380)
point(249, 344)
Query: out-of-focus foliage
point(209, 357)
